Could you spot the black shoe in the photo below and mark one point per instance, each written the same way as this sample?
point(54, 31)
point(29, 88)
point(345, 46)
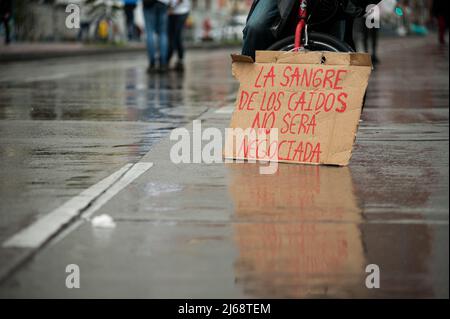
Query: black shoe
point(179, 67)
point(151, 69)
point(375, 60)
point(163, 68)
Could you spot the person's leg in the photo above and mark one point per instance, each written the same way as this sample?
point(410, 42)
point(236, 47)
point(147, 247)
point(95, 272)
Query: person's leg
point(178, 40)
point(84, 29)
point(149, 19)
point(257, 33)
point(442, 27)
point(132, 30)
point(179, 36)
point(172, 20)
point(374, 45)
point(128, 18)
point(5, 22)
point(161, 30)
point(365, 32)
point(7, 32)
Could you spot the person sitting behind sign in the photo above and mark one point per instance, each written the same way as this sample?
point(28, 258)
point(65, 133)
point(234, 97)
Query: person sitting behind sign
point(268, 18)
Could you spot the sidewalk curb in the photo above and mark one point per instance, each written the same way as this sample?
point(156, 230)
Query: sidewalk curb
point(89, 51)
point(30, 56)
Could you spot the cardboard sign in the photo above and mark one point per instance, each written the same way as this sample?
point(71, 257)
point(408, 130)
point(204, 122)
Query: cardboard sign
point(313, 100)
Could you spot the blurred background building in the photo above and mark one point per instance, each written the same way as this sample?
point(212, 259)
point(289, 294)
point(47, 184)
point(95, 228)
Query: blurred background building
point(44, 20)
point(210, 20)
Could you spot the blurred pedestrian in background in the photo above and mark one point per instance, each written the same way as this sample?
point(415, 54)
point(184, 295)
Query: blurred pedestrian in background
point(370, 35)
point(156, 23)
point(85, 23)
point(439, 10)
point(128, 7)
point(177, 21)
point(5, 16)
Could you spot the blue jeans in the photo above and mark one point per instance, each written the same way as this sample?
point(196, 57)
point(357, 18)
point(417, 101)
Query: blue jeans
point(257, 33)
point(155, 17)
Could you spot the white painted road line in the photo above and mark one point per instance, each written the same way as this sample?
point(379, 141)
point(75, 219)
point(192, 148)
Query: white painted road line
point(43, 229)
point(137, 170)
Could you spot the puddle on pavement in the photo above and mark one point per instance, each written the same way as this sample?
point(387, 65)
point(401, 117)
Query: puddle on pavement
point(304, 239)
point(308, 237)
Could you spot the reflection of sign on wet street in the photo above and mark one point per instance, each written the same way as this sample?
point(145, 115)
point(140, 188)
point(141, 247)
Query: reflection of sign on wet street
point(300, 239)
point(313, 99)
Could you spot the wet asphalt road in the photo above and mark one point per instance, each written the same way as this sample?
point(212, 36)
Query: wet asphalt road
point(68, 123)
point(192, 231)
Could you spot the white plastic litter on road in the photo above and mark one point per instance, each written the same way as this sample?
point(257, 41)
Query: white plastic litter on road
point(103, 221)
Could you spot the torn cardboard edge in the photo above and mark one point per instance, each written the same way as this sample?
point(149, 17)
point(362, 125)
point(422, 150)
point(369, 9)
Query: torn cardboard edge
point(307, 57)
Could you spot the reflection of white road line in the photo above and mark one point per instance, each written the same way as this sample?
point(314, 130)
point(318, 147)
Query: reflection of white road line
point(48, 77)
point(77, 72)
point(225, 110)
point(88, 201)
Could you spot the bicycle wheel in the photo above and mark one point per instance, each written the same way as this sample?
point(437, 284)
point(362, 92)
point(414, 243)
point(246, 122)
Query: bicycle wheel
point(316, 42)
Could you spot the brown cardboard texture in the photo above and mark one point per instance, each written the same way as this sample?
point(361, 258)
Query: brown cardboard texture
point(313, 100)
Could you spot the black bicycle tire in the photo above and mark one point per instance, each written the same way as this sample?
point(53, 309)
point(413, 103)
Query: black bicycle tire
point(314, 38)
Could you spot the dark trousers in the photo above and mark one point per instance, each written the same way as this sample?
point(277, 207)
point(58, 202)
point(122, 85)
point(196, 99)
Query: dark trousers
point(5, 22)
point(442, 25)
point(371, 33)
point(129, 16)
point(176, 27)
point(257, 33)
